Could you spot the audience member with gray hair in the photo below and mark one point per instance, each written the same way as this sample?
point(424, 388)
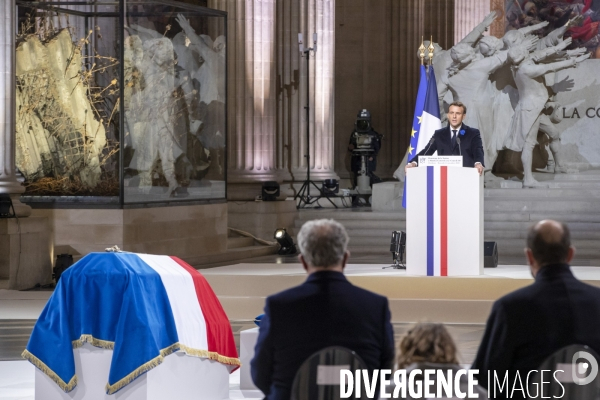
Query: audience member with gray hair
point(323, 243)
point(326, 310)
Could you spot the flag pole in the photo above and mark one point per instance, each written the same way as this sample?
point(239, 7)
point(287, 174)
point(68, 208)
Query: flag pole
point(422, 51)
point(431, 50)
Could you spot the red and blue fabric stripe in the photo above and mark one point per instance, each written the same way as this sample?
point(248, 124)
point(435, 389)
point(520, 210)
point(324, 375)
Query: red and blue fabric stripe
point(143, 307)
point(437, 221)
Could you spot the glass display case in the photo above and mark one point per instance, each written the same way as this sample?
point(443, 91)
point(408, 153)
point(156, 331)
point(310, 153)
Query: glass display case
point(121, 102)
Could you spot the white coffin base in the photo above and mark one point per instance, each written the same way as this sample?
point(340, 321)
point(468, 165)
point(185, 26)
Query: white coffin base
point(178, 377)
point(248, 340)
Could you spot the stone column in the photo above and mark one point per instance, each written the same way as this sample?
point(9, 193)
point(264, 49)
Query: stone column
point(251, 93)
point(467, 15)
point(306, 17)
point(8, 172)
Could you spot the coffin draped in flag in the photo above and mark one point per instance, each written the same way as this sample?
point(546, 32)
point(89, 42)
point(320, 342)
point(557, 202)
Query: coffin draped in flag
point(142, 307)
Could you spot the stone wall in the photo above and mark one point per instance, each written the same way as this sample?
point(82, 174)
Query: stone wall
point(187, 231)
point(26, 252)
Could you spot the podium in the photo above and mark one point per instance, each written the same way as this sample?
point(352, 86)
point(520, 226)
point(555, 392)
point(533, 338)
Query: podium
point(444, 221)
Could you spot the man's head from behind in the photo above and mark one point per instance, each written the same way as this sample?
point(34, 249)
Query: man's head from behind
point(548, 242)
point(323, 245)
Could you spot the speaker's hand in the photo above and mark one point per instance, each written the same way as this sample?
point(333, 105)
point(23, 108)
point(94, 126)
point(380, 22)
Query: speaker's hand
point(479, 168)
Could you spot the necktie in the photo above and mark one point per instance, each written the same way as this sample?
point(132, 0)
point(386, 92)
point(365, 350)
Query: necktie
point(453, 138)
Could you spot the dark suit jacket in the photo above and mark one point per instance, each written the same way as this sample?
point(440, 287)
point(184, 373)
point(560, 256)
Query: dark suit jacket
point(528, 325)
point(324, 311)
point(470, 146)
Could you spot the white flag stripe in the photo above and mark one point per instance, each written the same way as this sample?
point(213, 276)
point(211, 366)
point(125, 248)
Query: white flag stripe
point(429, 124)
point(189, 320)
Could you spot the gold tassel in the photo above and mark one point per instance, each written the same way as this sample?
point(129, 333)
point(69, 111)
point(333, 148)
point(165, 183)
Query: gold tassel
point(155, 362)
point(211, 355)
point(66, 387)
point(104, 344)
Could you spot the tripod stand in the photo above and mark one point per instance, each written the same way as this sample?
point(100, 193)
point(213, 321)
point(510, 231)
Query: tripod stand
point(304, 192)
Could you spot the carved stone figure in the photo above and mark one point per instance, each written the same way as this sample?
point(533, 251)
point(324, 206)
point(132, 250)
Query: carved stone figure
point(212, 86)
point(151, 115)
point(533, 96)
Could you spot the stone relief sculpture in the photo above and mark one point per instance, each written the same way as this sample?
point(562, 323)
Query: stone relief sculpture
point(509, 86)
point(442, 59)
point(533, 96)
point(57, 131)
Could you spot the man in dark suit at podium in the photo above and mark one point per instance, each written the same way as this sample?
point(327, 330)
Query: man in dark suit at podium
point(454, 140)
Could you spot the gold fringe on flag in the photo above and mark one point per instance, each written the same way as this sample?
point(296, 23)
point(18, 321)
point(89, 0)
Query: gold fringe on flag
point(105, 344)
point(155, 362)
point(211, 355)
point(66, 387)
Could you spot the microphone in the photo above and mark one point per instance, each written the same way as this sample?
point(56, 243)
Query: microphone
point(458, 142)
point(429, 145)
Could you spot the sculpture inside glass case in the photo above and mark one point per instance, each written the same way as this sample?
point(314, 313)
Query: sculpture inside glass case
point(175, 104)
point(121, 102)
point(57, 133)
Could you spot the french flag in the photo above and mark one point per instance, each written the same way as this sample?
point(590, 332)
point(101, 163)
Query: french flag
point(427, 117)
point(142, 307)
point(431, 121)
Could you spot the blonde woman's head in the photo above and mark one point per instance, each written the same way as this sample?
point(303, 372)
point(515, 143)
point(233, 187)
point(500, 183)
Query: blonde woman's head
point(426, 342)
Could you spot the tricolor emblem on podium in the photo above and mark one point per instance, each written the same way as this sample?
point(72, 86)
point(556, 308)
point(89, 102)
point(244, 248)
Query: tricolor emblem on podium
point(444, 229)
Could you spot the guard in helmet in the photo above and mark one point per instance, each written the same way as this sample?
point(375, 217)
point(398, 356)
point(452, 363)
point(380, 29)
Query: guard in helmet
point(365, 143)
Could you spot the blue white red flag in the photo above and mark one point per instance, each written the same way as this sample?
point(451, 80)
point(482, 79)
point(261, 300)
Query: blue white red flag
point(142, 307)
point(426, 119)
point(430, 121)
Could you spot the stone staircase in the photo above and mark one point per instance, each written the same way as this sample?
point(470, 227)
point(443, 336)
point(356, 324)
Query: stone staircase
point(508, 213)
point(238, 248)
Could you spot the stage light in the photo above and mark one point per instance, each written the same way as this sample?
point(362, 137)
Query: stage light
point(270, 191)
point(330, 187)
point(397, 246)
point(63, 262)
point(285, 241)
point(5, 206)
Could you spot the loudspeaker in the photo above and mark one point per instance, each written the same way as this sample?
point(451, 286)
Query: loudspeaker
point(490, 255)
